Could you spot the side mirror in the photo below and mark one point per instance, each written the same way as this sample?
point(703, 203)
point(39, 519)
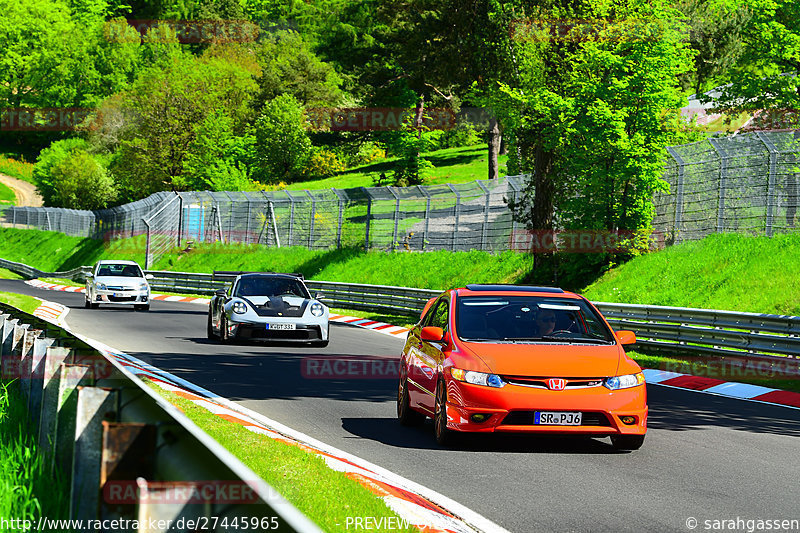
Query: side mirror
point(431, 333)
point(318, 295)
point(626, 337)
point(89, 275)
point(221, 293)
point(148, 276)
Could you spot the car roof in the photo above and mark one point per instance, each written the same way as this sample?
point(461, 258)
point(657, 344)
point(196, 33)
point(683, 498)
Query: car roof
point(269, 275)
point(117, 262)
point(476, 289)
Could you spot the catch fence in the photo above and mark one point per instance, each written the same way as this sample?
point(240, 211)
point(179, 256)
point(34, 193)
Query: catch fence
point(742, 183)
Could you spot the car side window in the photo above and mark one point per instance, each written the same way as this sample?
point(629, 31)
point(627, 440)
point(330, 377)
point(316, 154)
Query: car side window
point(437, 316)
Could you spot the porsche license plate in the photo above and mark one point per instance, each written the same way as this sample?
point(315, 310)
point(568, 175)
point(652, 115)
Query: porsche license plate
point(557, 418)
point(281, 326)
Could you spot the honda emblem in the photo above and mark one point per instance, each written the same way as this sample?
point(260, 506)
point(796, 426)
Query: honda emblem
point(556, 384)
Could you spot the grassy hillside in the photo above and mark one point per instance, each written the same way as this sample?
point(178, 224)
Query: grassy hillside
point(725, 271)
point(451, 165)
point(7, 195)
point(52, 251)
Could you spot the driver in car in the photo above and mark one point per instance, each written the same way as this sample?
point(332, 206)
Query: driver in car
point(545, 322)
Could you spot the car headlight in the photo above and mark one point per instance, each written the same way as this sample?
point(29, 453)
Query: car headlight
point(477, 378)
point(143, 286)
point(101, 286)
point(317, 309)
point(624, 382)
point(239, 307)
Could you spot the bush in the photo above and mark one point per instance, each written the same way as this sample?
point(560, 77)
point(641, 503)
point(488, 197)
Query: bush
point(323, 164)
point(282, 144)
point(80, 182)
point(48, 158)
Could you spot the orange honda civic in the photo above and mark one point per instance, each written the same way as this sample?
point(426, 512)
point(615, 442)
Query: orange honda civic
point(508, 358)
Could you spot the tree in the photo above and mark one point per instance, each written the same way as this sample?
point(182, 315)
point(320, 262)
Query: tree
point(288, 66)
point(590, 109)
point(766, 76)
point(282, 144)
point(165, 108)
point(80, 182)
point(50, 157)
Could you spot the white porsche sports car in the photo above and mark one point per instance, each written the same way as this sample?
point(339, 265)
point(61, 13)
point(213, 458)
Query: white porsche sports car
point(268, 306)
point(118, 282)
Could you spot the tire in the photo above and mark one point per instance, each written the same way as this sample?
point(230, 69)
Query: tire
point(87, 304)
point(627, 442)
point(444, 436)
point(210, 328)
point(319, 344)
point(405, 414)
point(224, 336)
point(144, 307)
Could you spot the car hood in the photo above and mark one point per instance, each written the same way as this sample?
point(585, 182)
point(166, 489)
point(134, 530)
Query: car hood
point(289, 300)
point(119, 281)
point(548, 360)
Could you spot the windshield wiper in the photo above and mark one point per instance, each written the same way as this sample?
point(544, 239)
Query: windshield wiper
point(570, 340)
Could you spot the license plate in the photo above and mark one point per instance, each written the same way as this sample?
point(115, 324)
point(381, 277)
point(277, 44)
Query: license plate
point(557, 418)
point(118, 294)
point(281, 326)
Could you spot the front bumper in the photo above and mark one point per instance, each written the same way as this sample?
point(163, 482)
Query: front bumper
point(122, 297)
point(511, 409)
point(305, 331)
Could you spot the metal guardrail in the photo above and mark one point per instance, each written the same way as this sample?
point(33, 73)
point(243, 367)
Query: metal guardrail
point(128, 453)
point(674, 328)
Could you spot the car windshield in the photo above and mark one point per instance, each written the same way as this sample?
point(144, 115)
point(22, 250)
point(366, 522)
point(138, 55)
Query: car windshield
point(274, 286)
point(122, 270)
point(529, 319)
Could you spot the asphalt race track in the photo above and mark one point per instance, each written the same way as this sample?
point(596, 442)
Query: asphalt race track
point(705, 457)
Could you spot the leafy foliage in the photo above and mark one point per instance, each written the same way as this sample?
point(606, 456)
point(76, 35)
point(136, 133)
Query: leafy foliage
point(282, 144)
point(80, 182)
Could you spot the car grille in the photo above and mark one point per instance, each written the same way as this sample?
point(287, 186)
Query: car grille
point(122, 298)
point(117, 288)
point(541, 383)
point(525, 418)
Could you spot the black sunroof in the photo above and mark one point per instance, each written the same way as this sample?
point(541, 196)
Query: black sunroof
point(512, 288)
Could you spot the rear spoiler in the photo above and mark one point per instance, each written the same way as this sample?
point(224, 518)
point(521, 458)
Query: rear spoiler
point(231, 273)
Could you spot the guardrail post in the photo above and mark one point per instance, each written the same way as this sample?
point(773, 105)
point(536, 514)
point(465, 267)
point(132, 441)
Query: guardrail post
point(11, 345)
point(129, 452)
point(51, 385)
point(40, 346)
point(72, 377)
point(94, 405)
point(26, 361)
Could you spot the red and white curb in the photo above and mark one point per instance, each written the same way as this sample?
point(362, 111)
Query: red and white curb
point(730, 389)
point(52, 312)
point(415, 504)
point(374, 325)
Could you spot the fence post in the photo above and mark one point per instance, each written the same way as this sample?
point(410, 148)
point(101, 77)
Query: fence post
point(723, 172)
point(773, 163)
point(512, 184)
point(369, 214)
point(147, 245)
point(247, 224)
point(396, 215)
point(180, 218)
point(424, 191)
point(291, 218)
point(457, 210)
point(678, 193)
point(485, 227)
point(339, 194)
point(311, 223)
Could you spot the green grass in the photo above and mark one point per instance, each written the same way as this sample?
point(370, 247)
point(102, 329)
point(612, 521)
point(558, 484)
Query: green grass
point(7, 274)
point(28, 490)
point(16, 169)
point(327, 497)
point(722, 271)
point(7, 195)
point(451, 165)
point(26, 304)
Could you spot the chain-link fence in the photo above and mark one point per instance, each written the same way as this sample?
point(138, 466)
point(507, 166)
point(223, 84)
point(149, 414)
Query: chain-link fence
point(744, 183)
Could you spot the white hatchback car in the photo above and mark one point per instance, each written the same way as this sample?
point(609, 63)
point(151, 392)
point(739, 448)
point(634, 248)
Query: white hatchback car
point(118, 282)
